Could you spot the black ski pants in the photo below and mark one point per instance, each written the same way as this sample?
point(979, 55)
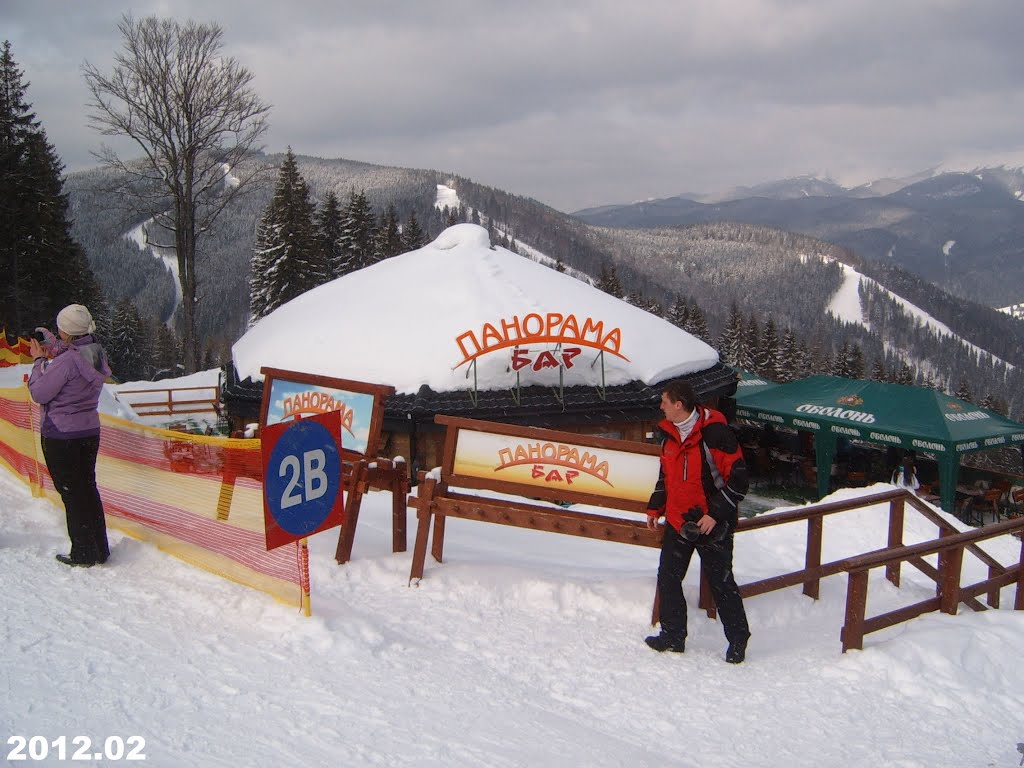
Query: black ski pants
point(716, 562)
point(72, 465)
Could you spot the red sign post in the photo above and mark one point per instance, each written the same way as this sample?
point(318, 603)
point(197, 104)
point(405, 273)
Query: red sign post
point(302, 478)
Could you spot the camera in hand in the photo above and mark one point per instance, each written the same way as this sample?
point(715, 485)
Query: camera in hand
point(690, 530)
point(39, 336)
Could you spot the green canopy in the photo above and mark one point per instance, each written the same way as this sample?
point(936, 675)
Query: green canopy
point(913, 418)
point(750, 382)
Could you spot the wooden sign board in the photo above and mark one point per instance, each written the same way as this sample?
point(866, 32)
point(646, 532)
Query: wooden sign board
point(547, 464)
point(288, 395)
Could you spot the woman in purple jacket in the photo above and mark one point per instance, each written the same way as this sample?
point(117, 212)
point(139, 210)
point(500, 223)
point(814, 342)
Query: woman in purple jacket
point(68, 387)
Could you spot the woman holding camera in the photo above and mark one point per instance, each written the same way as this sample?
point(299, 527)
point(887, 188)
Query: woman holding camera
point(67, 378)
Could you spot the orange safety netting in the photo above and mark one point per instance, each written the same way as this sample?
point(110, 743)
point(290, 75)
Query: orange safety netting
point(199, 498)
point(13, 354)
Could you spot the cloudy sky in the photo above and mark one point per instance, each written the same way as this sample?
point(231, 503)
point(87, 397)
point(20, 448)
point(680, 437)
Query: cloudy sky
point(580, 103)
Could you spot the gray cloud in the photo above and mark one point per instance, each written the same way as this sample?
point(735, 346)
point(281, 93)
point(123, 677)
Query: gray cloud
point(584, 103)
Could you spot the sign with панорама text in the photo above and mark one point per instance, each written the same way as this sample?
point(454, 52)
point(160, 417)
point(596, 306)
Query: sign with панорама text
point(291, 395)
point(537, 328)
point(290, 400)
point(556, 465)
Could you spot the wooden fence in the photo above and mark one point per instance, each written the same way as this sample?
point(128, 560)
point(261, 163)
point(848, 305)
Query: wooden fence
point(951, 545)
point(162, 402)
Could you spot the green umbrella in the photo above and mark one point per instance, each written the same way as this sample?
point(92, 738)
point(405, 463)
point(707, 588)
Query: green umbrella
point(913, 418)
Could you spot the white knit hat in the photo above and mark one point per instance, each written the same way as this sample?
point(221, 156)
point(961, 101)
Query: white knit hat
point(75, 320)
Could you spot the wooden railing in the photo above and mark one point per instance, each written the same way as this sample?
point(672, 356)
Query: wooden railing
point(950, 546)
point(949, 591)
point(164, 403)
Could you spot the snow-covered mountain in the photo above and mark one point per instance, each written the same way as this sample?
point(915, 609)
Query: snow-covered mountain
point(906, 222)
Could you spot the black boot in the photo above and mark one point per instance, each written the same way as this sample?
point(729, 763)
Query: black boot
point(666, 642)
point(737, 651)
point(66, 559)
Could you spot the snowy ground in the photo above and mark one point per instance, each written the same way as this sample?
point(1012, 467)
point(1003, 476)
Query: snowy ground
point(522, 649)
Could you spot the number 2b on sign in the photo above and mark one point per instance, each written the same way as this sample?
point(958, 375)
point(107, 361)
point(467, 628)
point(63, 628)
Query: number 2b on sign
point(546, 359)
point(312, 473)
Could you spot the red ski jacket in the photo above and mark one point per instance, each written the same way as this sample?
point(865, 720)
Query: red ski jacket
point(686, 478)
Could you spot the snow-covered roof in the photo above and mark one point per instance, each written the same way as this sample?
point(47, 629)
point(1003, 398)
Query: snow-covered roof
point(426, 316)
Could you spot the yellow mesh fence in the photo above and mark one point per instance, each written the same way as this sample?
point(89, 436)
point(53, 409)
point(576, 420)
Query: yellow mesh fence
point(198, 498)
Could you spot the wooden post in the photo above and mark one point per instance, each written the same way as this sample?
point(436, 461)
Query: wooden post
point(705, 599)
point(399, 506)
point(423, 504)
point(896, 515)
point(1018, 601)
point(437, 546)
point(852, 633)
point(950, 562)
point(993, 594)
point(812, 561)
point(307, 607)
point(943, 532)
point(354, 500)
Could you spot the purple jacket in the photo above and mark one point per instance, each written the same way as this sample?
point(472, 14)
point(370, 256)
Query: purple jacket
point(68, 387)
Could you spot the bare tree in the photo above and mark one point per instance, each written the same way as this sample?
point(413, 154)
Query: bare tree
point(192, 112)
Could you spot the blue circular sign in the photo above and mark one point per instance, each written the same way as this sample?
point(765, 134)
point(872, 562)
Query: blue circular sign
point(303, 477)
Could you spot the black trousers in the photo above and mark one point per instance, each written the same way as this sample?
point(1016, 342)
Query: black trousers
point(716, 562)
point(72, 465)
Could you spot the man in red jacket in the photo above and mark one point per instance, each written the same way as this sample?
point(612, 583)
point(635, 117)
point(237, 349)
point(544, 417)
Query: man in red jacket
point(702, 479)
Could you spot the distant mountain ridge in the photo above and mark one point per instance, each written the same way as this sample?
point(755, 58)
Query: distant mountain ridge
point(963, 231)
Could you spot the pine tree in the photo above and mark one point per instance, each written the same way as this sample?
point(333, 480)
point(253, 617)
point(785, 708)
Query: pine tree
point(43, 267)
point(963, 392)
point(389, 235)
point(750, 344)
point(127, 344)
point(608, 281)
point(357, 239)
point(730, 342)
point(327, 228)
point(265, 251)
point(804, 362)
point(166, 355)
point(285, 250)
point(679, 314)
point(412, 236)
point(999, 405)
point(877, 370)
point(905, 375)
point(855, 362)
point(787, 361)
point(697, 324)
point(764, 360)
point(841, 361)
